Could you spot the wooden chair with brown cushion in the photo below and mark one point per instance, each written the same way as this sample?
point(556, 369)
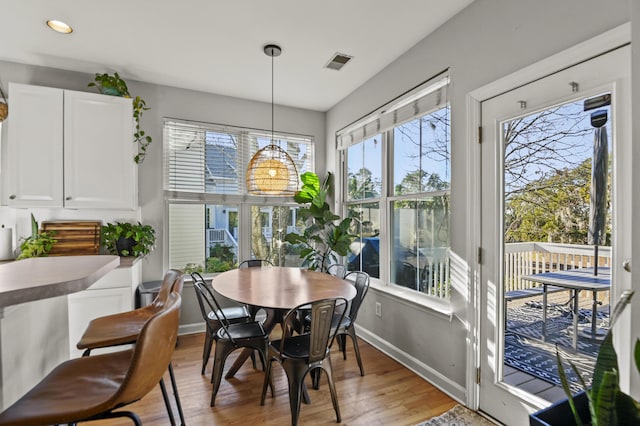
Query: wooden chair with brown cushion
point(125, 327)
point(90, 388)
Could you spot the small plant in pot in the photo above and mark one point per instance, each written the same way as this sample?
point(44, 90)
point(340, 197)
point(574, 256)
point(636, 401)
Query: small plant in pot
point(38, 244)
point(128, 239)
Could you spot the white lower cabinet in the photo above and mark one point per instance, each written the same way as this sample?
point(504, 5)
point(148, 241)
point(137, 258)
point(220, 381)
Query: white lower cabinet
point(112, 294)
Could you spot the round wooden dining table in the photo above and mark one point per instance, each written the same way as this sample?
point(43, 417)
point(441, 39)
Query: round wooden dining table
point(278, 289)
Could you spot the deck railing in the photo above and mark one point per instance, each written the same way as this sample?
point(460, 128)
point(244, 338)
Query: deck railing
point(534, 258)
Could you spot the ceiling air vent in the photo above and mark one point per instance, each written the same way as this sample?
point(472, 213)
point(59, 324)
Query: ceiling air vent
point(338, 61)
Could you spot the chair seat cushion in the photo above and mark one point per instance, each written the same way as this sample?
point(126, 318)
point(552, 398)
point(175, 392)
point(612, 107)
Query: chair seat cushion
point(242, 331)
point(118, 329)
point(86, 395)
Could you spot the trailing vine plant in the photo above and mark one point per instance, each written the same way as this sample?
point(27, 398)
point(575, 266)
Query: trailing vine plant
point(113, 85)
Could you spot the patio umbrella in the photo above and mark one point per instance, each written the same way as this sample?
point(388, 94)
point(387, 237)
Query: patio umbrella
point(598, 195)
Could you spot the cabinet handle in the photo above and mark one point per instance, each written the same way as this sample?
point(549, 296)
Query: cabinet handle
point(12, 197)
point(68, 198)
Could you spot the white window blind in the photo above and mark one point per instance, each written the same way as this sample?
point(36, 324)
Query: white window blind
point(428, 97)
point(204, 158)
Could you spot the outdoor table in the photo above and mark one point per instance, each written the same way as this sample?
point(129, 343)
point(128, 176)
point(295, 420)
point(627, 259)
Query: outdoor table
point(573, 280)
point(277, 289)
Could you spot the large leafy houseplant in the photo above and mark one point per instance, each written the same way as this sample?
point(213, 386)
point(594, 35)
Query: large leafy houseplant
point(38, 244)
point(607, 404)
point(128, 239)
point(114, 85)
point(326, 236)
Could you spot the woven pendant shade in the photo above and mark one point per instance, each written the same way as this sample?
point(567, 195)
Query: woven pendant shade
point(271, 172)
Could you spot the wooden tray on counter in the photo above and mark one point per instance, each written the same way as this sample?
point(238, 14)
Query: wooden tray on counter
point(74, 238)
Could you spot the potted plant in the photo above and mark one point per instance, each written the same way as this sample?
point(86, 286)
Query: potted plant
point(323, 239)
point(128, 239)
point(603, 403)
point(38, 244)
point(113, 85)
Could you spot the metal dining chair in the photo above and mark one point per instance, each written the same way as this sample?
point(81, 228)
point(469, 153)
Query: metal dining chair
point(346, 323)
point(337, 270)
point(304, 353)
point(230, 336)
point(234, 314)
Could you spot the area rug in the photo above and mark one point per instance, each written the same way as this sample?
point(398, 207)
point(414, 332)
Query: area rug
point(525, 351)
point(457, 416)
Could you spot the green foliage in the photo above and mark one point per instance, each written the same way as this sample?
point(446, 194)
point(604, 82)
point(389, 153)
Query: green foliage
point(221, 258)
point(322, 239)
point(607, 404)
point(38, 244)
point(113, 85)
point(143, 236)
point(192, 267)
point(552, 209)
point(218, 265)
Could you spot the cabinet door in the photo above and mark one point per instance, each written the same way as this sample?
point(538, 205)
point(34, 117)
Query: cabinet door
point(99, 169)
point(89, 304)
point(33, 161)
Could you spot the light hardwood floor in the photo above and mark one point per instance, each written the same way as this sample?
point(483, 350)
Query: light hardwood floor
point(388, 394)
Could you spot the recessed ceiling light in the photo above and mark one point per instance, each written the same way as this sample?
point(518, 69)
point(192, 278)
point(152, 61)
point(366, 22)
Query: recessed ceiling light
point(59, 26)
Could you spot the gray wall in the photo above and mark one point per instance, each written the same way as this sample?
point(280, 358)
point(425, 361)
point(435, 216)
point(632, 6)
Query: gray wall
point(486, 41)
point(164, 102)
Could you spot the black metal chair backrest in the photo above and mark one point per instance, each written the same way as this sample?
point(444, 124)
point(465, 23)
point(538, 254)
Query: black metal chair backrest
point(337, 270)
point(361, 282)
point(209, 303)
point(254, 263)
point(321, 334)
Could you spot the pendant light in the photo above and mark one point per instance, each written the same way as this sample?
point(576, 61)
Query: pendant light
point(271, 170)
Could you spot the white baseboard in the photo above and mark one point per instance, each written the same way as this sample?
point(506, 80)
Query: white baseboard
point(452, 389)
point(191, 328)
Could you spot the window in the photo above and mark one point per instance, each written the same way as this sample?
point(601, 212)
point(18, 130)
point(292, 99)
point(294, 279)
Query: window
point(213, 223)
point(397, 174)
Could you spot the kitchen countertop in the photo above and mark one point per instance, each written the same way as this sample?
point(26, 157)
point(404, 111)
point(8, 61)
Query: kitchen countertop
point(45, 277)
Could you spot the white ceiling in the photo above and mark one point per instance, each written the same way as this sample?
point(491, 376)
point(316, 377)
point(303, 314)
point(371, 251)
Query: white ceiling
point(217, 46)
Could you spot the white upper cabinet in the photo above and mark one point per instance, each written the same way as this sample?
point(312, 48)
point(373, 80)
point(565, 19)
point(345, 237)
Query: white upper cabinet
point(33, 166)
point(69, 149)
point(99, 171)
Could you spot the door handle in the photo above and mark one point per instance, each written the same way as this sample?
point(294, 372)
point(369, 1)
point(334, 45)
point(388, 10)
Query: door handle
point(626, 264)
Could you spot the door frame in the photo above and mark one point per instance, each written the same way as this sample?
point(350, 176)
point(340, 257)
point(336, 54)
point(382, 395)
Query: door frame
point(609, 40)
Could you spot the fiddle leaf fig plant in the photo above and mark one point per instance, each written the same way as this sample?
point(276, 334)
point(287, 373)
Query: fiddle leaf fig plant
point(114, 85)
point(326, 236)
point(38, 244)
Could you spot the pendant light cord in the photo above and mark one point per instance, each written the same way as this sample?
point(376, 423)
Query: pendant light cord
point(272, 84)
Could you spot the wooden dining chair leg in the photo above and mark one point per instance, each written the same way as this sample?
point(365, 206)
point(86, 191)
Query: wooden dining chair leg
point(175, 394)
point(167, 404)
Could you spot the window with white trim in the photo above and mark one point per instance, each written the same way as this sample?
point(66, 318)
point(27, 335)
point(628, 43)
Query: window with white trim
point(397, 175)
point(213, 223)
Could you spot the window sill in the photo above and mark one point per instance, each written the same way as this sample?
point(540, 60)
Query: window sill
point(413, 298)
